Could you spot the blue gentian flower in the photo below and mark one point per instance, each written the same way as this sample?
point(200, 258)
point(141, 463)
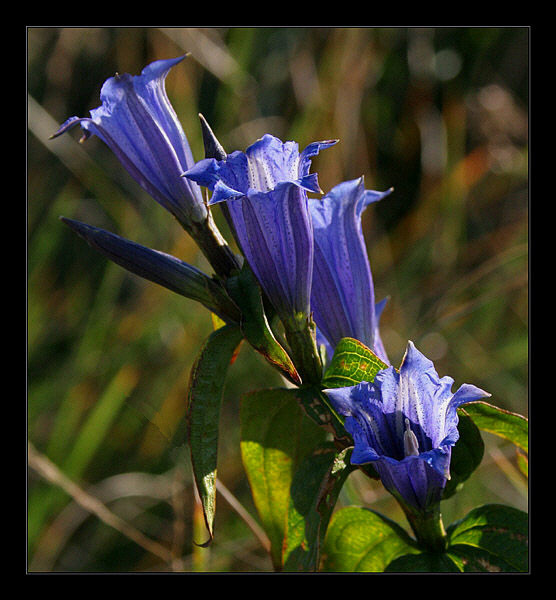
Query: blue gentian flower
point(138, 123)
point(405, 424)
point(342, 296)
point(265, 190)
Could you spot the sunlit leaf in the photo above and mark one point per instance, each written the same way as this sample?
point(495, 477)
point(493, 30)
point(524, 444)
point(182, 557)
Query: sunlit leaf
point(360, 539)
point(500, 422)
point(352, 363)
point(275, 437)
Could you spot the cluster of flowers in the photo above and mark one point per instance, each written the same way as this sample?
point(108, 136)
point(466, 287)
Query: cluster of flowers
point(308, 255)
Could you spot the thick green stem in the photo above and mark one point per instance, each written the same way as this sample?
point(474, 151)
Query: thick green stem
point(300, 335)
point(428, 528)
point(213, 245)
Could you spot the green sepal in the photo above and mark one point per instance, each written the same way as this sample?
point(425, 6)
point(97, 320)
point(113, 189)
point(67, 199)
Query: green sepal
point(318, 408)
point(246, 293)
point(206, 387)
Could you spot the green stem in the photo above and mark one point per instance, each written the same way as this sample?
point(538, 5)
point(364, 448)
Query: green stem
point(213, 245)
point(428, 528)
point(300, 335)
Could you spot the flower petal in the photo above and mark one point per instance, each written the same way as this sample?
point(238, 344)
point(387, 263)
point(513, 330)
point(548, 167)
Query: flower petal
point(342, 297)
point(406, 424)
point(274, 232)
point(138, 123)
point(268, 212)
point(310, 182)
point(411, 480)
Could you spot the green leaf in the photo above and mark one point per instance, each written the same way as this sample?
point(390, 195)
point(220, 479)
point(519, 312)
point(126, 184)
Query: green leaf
point(466, 455)
point(359, 539)
point(314, 491)
point(471, 559)
point(245, 291)
point(500, 422)
point(206, 387)
point(275, 437)
point(523, 462)
point(424, 562)
point(352, 363)
point(491, 537)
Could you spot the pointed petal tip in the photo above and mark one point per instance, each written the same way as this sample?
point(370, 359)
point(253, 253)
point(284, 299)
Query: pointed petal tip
point(66, 221)
point(329, 143)
point(58, 133)
point(87, 232)
point(77, 226)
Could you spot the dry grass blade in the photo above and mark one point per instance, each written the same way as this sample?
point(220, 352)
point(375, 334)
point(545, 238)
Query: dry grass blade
point(245, 516)
point(49, 471)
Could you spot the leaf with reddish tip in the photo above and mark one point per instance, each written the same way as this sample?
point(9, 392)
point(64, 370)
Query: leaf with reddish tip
point(246, 293)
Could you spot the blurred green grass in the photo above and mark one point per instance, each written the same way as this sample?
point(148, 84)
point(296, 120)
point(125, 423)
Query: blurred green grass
point(440, 114)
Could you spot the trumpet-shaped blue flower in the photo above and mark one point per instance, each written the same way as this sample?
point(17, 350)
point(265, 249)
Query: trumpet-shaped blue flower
point(265, 190)
point(405, 424)
point(342, 296)
point(138, 123)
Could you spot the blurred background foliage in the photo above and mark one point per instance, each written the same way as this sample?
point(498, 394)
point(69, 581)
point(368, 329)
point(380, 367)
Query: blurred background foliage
point(440, 114)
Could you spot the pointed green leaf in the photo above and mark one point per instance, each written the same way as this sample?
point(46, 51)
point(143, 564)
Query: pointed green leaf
point(493, 537)
point(275, 437)
point(508, 425)
point(352, 363)
point(246, 293)
point(206, 387)
point(359, 539)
